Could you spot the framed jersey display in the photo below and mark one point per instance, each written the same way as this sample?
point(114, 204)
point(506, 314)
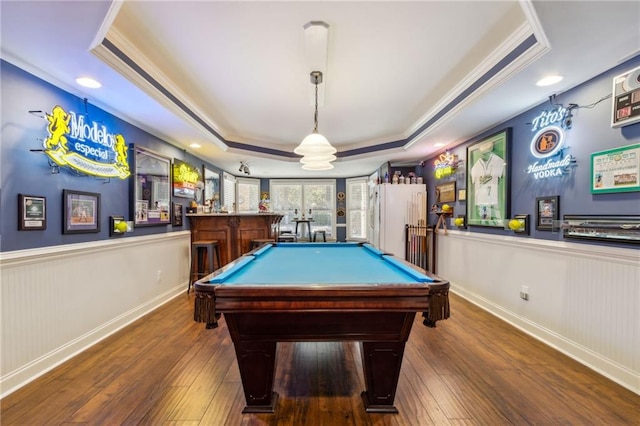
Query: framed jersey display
point(488, 180)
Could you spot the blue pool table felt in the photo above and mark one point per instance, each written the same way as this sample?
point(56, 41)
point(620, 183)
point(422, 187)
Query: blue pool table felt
point(319, 263)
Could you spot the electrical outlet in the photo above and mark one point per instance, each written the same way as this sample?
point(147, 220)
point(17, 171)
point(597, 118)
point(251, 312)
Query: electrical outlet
point(524, 292)
point(159, 275)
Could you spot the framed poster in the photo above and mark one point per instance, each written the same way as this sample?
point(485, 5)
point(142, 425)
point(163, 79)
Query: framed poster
point(616, 170)
point(177, 214)
point(80, 212)
point(446, 192)
point(547, 211)
point(488, 180)
point(32, 213)
point(150, 188)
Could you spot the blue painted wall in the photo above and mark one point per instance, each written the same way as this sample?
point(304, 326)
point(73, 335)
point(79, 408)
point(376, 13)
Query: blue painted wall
point(29, 173)
point(25, 172)
point(590, 132)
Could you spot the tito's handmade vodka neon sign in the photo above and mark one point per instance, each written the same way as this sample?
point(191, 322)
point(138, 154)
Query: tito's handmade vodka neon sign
point(548, 143)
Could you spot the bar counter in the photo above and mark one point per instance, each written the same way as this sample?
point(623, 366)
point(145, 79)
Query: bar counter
point(233, 231)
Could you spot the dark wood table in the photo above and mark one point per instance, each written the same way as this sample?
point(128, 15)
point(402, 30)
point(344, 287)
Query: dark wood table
point(303, 222)
point(320, 292)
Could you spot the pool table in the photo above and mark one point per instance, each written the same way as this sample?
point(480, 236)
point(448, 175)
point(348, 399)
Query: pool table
point(290, 292)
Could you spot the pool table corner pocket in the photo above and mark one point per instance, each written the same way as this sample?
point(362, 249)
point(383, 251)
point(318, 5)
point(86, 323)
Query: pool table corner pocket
point(205, 309)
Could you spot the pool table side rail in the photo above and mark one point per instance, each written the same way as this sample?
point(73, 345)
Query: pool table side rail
point(433, 302)
point(212, 299)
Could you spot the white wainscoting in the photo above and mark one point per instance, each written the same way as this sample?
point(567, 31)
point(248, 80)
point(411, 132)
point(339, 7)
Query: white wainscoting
point(584, 299)
point(57, 301)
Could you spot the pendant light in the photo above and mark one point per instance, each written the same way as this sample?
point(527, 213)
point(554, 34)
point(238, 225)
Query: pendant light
point(316, 150)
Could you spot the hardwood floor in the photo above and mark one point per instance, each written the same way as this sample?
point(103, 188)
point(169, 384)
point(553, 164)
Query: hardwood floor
point(472, 369)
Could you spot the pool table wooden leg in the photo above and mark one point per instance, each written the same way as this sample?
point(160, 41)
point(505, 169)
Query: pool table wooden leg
point(382, 362)
point(256, 361)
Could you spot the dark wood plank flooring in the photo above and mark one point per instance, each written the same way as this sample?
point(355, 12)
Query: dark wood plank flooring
point(473, 369)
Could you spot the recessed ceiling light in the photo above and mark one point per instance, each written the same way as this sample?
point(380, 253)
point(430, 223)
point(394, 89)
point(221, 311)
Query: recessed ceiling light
point(549, 80)
point(439, 144)
point(88, 82)
point(195, 145)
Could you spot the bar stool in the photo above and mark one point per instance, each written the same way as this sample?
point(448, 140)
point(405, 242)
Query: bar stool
point(201, 251)
point(255, 243)
point(287, 238)
point(323, 233)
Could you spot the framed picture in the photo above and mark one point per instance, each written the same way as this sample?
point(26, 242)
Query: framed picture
point(626, 98)
point(177, 214)
point(80, 212)
point(488, 180)
point(212, 188)
point(150, 191)
point(462, 194)
point(446, 192)
point(32, 213)
point(547, 211)
point(616, 170)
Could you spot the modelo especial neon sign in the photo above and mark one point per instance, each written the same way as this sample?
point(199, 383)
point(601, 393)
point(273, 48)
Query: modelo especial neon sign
point(85, 147)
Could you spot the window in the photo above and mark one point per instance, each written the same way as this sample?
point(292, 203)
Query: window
point(229, 192)
point(317, 196)
point(357, 198)
point(248, 195)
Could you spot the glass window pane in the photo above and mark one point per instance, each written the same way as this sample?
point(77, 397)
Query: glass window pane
point(229, 188)
point(315, 199)
point(285, 199)
point(357, 224)
point(357, 203)
point(248, 195)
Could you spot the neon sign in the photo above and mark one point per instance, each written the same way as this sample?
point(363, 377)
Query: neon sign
point(185, 179)
point(86, 147)
point(548, 143)
point(552, 168)
point(547, 118)
point(445, 165)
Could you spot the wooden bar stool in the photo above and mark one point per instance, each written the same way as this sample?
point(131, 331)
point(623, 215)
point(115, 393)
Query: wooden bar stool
point(202, 251)
point(323, 233)
point(260, 241)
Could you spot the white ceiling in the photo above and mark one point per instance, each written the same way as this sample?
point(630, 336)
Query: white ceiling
point(414, 73)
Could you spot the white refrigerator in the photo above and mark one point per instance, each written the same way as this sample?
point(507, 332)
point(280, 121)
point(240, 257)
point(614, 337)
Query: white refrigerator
point(391, 207)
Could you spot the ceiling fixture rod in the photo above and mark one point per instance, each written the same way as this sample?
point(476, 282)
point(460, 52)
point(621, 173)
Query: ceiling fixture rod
point(316, 150)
